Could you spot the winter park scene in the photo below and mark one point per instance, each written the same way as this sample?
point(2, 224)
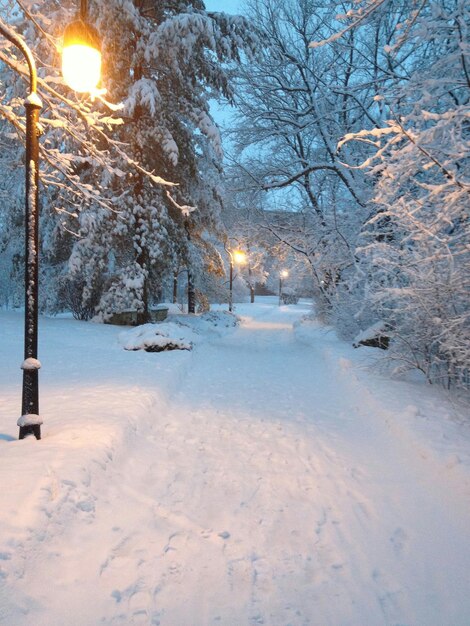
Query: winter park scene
point(234, 313)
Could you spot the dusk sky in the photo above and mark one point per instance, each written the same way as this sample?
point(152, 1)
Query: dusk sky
point(222, 113)
point(227, 6)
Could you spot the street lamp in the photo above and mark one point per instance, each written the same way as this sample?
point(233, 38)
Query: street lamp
point(78, 36)
point(81, 54)
point(282, 274)
point(238, 257)
point(30, 422)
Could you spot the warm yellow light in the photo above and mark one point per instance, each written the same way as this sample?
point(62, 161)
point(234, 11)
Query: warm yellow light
point(81, 67)
point(284, 274)
point(239, 257)
point(81, 57)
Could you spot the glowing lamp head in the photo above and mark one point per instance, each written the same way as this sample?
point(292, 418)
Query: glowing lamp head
point(239, 257)
point(81, 57)
point(284, 274)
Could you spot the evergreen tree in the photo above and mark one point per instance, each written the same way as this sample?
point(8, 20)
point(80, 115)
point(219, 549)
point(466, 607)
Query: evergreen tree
point(165, 60)
point(78, 142)
point(110, 221)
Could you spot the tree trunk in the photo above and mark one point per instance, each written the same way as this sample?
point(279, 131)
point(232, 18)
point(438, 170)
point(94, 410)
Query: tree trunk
point(191, 294)
point(142, 258)
point(175, 287)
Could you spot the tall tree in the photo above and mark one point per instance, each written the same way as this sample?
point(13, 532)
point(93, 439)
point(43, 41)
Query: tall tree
point(295, 104)
point(78, 141)
point(165, 61)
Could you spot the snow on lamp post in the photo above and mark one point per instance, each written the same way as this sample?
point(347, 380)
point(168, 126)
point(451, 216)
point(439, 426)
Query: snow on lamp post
point(238, 257)
point(282, 274)
point(30, 422)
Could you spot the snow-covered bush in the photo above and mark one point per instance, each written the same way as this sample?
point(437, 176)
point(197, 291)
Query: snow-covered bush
point(415, 251)
point(155, 338)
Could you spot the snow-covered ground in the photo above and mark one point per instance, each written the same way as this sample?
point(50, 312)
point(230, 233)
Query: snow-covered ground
point(265, 477)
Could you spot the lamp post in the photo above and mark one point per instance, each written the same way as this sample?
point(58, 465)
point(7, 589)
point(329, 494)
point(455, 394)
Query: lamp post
point(78, 38)
point(282, 274)
point(30, 422)
point(238, 257)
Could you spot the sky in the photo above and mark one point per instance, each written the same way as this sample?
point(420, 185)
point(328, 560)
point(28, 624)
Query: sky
point(222, 114)
point(226, 6)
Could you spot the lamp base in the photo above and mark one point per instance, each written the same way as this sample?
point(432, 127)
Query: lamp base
point(30, 429)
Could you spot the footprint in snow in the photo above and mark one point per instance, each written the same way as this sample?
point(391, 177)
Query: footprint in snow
point(399, 541)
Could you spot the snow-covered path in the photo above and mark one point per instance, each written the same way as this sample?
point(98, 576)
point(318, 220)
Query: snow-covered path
point(270, 486)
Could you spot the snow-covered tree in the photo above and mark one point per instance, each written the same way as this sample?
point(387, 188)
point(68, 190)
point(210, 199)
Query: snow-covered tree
point(415, 249)
point(295, 104)
point(170, 61)
point(80, 152)
point(126, 227)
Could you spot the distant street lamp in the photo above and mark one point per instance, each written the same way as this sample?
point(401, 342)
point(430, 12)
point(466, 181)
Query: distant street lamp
point(282, 274)
point(79, 36)
point(238, 257)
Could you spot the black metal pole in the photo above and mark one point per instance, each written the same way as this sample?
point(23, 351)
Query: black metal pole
point(280, 290)
point(30, 422)
point(230, 298)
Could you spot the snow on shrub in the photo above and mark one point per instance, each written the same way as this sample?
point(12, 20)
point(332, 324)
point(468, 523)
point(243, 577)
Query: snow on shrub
point(180, 333)
point(155, 338)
